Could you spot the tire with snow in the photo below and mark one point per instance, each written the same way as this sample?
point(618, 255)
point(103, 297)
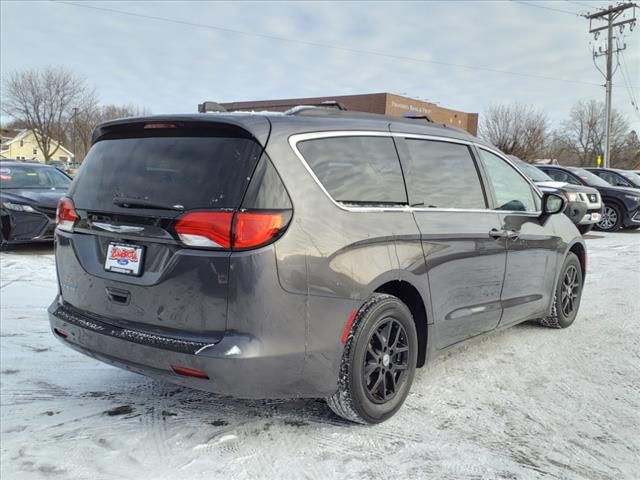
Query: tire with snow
point(378, 362)
point(566, 301)
point(3, 243)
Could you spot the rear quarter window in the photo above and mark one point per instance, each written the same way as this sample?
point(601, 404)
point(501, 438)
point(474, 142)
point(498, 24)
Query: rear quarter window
point(357, 170)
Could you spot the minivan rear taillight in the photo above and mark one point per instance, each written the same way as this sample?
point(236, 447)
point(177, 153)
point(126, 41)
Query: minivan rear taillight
point(228, 230)
point(253, 229)
point(205, 229)
point(66, 216)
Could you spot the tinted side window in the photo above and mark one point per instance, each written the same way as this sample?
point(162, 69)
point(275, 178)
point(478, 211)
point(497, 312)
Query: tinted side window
point(443, 175)
point(363, 170)
point(618, 180)
point(573, 180)
point(607, 177)
point(512, 191)
point(560, 176)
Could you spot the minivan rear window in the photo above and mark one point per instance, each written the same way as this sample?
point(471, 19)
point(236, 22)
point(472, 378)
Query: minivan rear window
point(357, 170)
point(195, 172)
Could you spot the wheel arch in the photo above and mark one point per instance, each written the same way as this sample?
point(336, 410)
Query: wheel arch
point(411, 297)
point(618, 203)
point(580, 251)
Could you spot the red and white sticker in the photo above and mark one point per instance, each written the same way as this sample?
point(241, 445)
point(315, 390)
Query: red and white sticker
point(125, 259)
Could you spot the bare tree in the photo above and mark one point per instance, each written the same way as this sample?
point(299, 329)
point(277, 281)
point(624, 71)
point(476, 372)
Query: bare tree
point(630, 157)
point(582, 137)
point(43, 101)
point(516, 130)
point(84, 120)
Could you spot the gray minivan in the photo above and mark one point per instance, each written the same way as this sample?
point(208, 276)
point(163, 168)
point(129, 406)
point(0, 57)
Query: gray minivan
point(315, 253)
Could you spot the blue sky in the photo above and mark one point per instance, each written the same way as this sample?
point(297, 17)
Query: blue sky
point(169, 67)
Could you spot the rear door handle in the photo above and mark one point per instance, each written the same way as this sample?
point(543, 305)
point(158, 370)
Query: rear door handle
point(510, 234)
point(495, 233)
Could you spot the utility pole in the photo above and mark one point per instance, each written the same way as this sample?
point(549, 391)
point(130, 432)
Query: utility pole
point(612, 18)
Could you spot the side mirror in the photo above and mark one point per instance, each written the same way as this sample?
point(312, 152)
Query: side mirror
point(552, 204)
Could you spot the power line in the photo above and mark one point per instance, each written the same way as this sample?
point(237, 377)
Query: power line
point(581, 4)
point(535, 5)
point(324, 45)
point(625, 76)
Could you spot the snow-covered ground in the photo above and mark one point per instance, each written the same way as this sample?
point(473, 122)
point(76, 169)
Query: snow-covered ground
point(527, 402)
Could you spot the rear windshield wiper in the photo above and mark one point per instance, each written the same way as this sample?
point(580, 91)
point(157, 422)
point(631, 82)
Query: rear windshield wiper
point(128, 202)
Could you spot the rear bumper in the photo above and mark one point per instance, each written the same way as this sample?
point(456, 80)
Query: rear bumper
point(238, 365)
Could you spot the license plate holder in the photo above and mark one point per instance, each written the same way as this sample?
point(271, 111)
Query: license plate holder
point(124, 258)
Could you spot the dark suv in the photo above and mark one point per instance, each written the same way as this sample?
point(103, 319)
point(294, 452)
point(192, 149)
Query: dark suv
point(583, 207)
point(621, 204)
point(311, 254)
point(617, 177)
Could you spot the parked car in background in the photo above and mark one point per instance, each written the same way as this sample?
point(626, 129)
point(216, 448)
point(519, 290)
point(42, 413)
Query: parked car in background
point(584, 206)
point(621, 204)
point(617, 177)
point(29, 194)
point(59, 164)
point(288, 255)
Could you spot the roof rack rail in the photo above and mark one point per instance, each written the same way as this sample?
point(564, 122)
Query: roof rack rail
point(314, 111)
point(319, 111)
point(324, 106)
point(418, 116)
point(209, 106)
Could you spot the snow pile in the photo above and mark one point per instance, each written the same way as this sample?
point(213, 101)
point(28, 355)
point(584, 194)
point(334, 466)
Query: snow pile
point(525, 403)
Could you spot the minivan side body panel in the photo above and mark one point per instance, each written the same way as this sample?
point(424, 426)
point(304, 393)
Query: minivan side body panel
point(336, 255)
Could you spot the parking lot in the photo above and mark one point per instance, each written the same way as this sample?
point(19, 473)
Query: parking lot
point(527, 402)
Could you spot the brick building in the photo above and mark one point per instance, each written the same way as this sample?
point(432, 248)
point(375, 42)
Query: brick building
point(384, 103)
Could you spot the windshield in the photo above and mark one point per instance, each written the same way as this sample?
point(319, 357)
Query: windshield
point(589, 178)
point(25, 176)
point(532, 172)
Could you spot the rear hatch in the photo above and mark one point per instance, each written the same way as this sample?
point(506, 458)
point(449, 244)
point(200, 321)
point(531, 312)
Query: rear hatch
point(121, 256)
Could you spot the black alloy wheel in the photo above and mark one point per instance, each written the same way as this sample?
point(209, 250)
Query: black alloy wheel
point(569, 291)
point(386, 361)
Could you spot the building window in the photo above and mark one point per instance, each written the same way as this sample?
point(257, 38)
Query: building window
point(22, 143)
point(35, 151)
